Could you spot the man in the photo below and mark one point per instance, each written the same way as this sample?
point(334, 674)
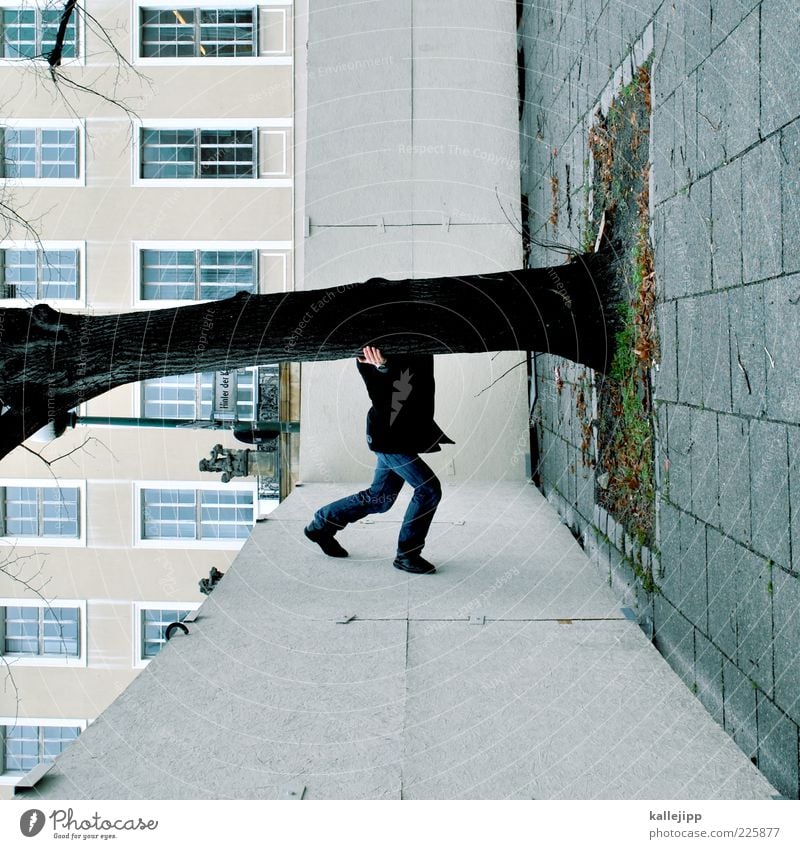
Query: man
point(400, 427)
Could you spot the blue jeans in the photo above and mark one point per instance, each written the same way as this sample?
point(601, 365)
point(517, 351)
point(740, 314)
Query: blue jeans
point(390, 474)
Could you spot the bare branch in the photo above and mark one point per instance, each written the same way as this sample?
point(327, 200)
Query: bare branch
point(80, 447)
point(497, 380)
point(55, 56)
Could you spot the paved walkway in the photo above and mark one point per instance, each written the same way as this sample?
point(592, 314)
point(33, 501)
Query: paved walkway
point(511, 673)
point(725, 151)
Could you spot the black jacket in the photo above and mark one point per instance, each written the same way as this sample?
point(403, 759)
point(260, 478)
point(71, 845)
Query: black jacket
point(400, 420)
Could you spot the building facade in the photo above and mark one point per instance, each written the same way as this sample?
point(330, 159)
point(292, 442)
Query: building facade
point(171, 184)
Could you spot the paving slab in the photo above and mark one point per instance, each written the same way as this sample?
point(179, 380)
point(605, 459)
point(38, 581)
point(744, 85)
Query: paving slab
point(781, 314)
point(786, 603)
point(726, 191)
point(780, 32)
point(761, 211)
point(727, 94)
point(542, 710)
point(778, 747)
point(748, 358)
point(269, 691)
point(790, 191)
point(734, 477)
point(769, 483)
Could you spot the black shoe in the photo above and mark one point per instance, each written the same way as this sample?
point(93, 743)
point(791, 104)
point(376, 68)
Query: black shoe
point(415, 563)
point(326, 542)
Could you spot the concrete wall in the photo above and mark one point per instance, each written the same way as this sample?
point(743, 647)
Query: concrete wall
point(724, 148)
point(409, 146)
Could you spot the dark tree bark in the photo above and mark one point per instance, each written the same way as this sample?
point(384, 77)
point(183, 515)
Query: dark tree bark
point(53, 361)
point(55, 56)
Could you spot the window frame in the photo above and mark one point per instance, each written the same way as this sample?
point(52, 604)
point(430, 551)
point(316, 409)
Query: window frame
point(264, 250)
point(205, 544)
point(81, 659)
point(257, 125)
point(78, 124)
point(7, 779)
point(138, 607)
point(50, 542)
point(198, 283)
point(283, 57)
point(139, 403)
point(80, 31)
point(49, 245)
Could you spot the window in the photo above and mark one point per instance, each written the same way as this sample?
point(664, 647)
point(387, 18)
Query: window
point(39, 153)
point(29, 32)
point(210, 515)
point(40, 631)
point(154, 625)
point(175, 154)
point(197, 275)
point(198, 32)
point(25, 746)
point(40, 511)
point(227, 33)
point(150, 622)
point(245, 152)
point(40, 273)
point(175, 272)
point(34, 632)
point(219, 396)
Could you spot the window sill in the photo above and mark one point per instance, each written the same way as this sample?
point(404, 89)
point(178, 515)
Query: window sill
point(211, 61)
point(24, 661)
point(223, 183)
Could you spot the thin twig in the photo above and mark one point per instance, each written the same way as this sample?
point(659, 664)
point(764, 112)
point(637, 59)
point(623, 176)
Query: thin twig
point(516, 365)
point(741, 366)
point(517, 227)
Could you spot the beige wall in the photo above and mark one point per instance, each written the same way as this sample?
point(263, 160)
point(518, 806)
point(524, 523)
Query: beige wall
point(109, 213)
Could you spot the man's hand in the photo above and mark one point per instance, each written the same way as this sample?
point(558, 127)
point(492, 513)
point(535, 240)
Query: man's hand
point(372, 356)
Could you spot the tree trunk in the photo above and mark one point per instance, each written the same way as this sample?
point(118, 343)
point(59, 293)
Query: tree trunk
point(53, 361)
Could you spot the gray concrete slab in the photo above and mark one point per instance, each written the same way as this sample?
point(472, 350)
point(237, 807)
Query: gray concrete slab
point(690, 351)
point(666, 378)
point(543, 710)
point(778, 747)
point(722, 591)
point(761, 211)
point(680, 448)
point(705, 462)
point(708, 676)
point(448, 246)
point(740, 708)
point(726, 15)
point(790, 191)
point(782, 342)
point(727, 93)
point(725, 149)
point(726, 191)
point(715, 351)
point(268, 690)
point(786, 603)
point(337, 255)
point(794, 488)
point(780, 30)
point(769, 487)
point(244, 706)
point(518, 573)
point(734, 477)
point(748, 358)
